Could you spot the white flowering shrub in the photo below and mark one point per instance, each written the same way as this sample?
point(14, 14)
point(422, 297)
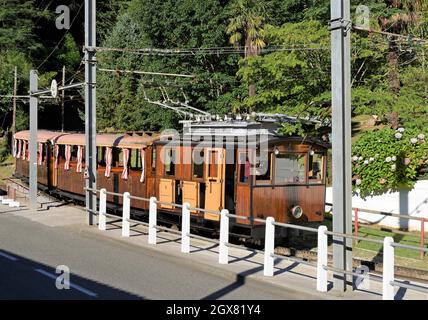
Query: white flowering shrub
point(387, 160)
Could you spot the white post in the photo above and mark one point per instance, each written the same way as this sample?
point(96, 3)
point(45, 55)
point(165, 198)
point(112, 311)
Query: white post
point(185, 228)
point(126, 214)
point(269, 247)
point(103, 210)
point(322, 259)
point(152, 220)
point(223, 257)
point(388, 269)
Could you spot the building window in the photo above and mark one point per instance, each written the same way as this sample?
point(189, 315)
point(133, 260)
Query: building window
point(290, 168)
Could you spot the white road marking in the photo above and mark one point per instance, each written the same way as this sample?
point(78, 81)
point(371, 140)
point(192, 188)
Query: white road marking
point(74, 286)
point(7, 256)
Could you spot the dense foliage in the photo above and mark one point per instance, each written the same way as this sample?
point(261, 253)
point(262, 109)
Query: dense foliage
point(280, 63)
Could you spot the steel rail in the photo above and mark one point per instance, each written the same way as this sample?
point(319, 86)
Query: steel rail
point(294, 226)
point(405, 246)
point(409, 286)
point(139, 198)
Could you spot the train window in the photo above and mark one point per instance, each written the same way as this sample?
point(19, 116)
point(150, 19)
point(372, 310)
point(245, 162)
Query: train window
point(244, 167)
point(264, 168)
point(154, 157)
point(316, 166)
point(135, 159)
point(61, 152)
point(169, 162)
point(213, 164)
point(74, 153)
point(198, 163)
point(290, 168)
point(101, 156)
point(118, 157)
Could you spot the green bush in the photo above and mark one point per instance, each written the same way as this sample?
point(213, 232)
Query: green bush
point(4, 149)
point(388, 160)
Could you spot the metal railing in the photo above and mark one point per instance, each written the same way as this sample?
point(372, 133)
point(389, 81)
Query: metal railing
point(322, 267)
point(422, 221)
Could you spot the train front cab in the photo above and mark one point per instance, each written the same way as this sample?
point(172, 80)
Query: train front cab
point(291, 187)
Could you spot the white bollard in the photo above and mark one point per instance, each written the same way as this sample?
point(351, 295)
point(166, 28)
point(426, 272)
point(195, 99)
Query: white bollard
point(388, 269)
point(126, 214)
point(185, 228)
point(269, 247)
point(14, 204)
point(322, 259)
point(152, 220)
point(6, 201)
point(223, 257)
point(103, 210)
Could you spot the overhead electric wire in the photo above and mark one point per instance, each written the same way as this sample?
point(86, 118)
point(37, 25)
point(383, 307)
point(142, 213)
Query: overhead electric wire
point(209, 51)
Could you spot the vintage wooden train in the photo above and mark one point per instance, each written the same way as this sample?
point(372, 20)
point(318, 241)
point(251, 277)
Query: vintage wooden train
point(211, 165)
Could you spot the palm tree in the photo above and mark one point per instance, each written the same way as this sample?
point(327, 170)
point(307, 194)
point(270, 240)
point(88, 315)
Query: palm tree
point(245, 28)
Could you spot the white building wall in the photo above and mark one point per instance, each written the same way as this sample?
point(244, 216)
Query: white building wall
point(413, 203)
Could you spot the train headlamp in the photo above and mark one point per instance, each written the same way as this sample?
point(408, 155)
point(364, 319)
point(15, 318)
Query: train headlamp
point(297, 212)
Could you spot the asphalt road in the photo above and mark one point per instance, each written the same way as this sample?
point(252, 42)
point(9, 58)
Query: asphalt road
point(102, 268)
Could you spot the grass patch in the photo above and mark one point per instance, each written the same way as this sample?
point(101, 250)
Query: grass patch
point(7, 168)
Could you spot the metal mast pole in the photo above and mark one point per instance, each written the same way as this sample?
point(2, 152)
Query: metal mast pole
point(33, 138)
point(90, 108)
point(63, 99)
point(15, 92)
point(341, 136)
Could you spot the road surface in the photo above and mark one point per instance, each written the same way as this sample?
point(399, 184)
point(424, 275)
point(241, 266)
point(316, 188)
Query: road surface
point(104, 268)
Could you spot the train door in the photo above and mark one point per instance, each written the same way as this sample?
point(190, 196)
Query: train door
point(166, 192)
point(167, 185)
point(191, 194)
point(214, 181)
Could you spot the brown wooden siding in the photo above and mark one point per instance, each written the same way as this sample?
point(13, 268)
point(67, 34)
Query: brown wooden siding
point(277, 202)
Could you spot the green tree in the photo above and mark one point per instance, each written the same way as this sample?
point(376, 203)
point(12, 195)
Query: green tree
point(245, 28)
point(294, 81)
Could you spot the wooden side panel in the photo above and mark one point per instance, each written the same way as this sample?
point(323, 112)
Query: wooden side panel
point(213, 199)
point(42, 174)
point(70, 180)
point(185, 163)
point(282, 199)
point(166, 192)
point(191, 194)
point(243, 203)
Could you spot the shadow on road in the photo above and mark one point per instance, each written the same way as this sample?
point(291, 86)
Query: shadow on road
point(24, 279)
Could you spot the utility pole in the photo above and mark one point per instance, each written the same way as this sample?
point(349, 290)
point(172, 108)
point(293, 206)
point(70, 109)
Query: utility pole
point(33, 138)
point(90, 108)
point(63, 99)
point(341, 26)
point(15, 92)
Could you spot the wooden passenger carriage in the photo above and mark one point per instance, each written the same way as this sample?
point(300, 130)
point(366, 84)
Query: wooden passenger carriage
point(207, 166)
